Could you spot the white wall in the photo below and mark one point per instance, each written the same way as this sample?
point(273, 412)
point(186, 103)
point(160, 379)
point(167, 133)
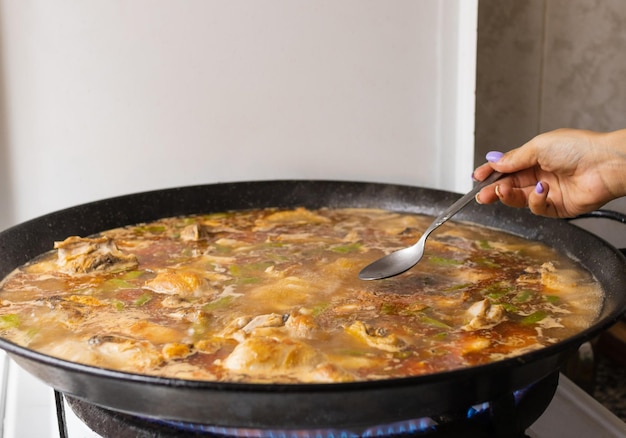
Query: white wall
point(107, 97)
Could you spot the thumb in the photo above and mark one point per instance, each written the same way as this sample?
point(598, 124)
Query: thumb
point(517, 159)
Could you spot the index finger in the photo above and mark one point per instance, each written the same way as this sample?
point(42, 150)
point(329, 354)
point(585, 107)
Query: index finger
point(482, 172)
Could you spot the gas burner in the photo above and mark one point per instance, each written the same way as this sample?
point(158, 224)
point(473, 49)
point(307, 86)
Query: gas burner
point(508, 417)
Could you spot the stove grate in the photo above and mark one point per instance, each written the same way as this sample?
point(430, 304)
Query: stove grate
point(508, 417)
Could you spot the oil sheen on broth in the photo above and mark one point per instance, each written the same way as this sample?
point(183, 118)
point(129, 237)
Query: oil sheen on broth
point(273, 295)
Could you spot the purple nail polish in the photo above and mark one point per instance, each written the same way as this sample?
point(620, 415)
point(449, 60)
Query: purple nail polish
point(539, 188)
point(493, 156)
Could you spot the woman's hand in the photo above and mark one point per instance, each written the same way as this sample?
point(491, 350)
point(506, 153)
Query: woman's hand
point(561, 173)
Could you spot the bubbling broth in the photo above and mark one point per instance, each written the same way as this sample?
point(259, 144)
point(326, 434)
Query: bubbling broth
point(273, 295)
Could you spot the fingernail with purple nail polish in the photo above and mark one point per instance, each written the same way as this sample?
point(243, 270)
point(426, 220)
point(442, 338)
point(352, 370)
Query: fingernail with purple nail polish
point(539, 188)
point(493, 156)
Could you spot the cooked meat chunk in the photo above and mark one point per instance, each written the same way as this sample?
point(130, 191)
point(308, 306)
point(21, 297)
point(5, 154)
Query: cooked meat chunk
point(474, 343)
point(77, 255)
point(264, 357)
point(152, 332)
point(292, 217)
point(124, 353)
point(194, 232)
point(377, 338)
point(330, 373)
point(248, 326)
point(554, 279)
point(283, 293)
point(176, 350)
point(175, 302)
point(260, 355)
point(484, 315)
point(194, 315)
point(302, 326)
point(298, 215)
point(261, 321)
point(177, 282)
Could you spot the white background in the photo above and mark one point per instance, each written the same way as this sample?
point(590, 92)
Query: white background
point(108, 97)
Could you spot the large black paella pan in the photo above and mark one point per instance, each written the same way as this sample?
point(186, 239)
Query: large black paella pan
point(303, 405)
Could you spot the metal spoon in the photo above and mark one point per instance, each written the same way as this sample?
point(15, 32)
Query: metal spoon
point(404, 259)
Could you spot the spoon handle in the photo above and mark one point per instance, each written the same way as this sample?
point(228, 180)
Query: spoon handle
point(462, 202)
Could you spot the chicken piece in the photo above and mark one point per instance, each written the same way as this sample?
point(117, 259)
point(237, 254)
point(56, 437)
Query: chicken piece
point(175, 302)
point(302, 326)
point(549, 277)
point(63, 312)
point(210, 345)
point(194, 232)
point(194, 315)
point(294, 237)
point(377, 338)
point(394, 224)
point(474, 344)
point(176, 350)
point(233, 243)
point(73, 350)
point(178, 282)
point(284, 293)
point(77, 255)
point(183, 370)
point(85, 300)
point(205, 230)
point(234, 326)
point(330, 373)
point(125, 354)
point(219, 261)
point(484, 315)
point(340, 266)
point(261, 321)
point(254, 326)
point(298, 215)
point(563, 279)
point(159, 334)
point(70, 311)
point(471, 276)
point(265, 358)
point(293, 217)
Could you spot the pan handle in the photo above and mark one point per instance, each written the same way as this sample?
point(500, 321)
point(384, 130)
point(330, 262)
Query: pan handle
point(604, 214)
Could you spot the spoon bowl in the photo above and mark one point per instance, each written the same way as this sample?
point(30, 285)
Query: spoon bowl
point(404, 259)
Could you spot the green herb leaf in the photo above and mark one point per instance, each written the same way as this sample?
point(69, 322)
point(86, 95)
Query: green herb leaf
point(218, 304)
point(9, 321)
point(143, 299)
point(487, 263)
point(434, 322)
point(457, 287)
point(534, 317)
point(484, 244)
point(552, 299)
point(344, 249)
point(131, 275)
point(118, 305)
point(524, 296)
